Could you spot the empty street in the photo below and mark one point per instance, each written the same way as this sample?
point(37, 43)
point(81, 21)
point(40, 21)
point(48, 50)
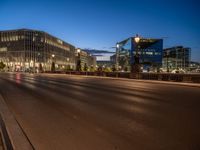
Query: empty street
point(63, 112)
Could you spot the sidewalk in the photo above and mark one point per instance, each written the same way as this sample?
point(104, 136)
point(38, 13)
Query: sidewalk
point(1, 142)
point(16, 137)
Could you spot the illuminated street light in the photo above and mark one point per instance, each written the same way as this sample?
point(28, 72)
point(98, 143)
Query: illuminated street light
point(78, 50)
point(117, 55)
point(135, 67)
point(137, 39)
point(117, 45)
point(53, 63)
point(78, 65)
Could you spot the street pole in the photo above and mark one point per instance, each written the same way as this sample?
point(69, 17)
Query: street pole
point(167, 61)
point(135, 67)
point(117, 56)
point(78, 66)
point(53, 63)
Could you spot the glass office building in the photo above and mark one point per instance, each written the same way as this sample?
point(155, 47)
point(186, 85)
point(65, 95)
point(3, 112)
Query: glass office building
point(150, 52)
point(176, 58)
point(31, 50)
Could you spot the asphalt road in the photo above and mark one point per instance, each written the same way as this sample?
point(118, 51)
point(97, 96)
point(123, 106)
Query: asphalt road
point(60, 112)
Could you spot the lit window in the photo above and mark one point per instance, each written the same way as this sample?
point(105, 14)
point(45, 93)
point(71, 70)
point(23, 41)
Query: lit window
point(157, 53)
point(13, 38)
point(149, 53)
point(59, 41)
point(3, 49)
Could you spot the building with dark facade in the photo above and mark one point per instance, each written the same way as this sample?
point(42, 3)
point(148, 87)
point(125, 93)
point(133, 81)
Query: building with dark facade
point(149, 52)
point(31, 50)
point(176, 58)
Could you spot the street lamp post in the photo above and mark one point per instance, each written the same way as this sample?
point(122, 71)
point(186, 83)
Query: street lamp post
point(167, 61)
point(135, 68)
point(117, 56)
point(78, 66)
point(39, 61)
point(53, 63)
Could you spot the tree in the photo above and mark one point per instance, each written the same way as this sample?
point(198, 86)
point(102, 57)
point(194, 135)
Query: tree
point(68, 68)
point(113, 68)
point(92, 68)
point(2, 65)
point(53, 68)
point(107, 69)
point(85, 67)
point(126, 68)
point(40, 68)
point(78, 65)
point(100, 69)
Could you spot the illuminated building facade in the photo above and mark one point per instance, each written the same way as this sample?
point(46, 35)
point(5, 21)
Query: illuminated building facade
point(149, 50)
point(176, 58)
point(31, 50)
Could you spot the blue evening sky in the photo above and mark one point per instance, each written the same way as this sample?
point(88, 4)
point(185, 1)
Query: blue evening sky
point(100, 24)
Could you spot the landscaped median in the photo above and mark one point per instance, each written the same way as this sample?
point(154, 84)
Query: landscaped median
point(13, 136)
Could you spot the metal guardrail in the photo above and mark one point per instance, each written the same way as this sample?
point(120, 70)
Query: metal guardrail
point(193, 78)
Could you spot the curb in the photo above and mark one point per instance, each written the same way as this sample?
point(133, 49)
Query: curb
point(1, 142)
point(12, 134)
point(188, 84)
point(197, 85)
point(6, 143)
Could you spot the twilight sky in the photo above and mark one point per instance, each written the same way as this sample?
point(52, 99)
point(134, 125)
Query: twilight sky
point(100, 24)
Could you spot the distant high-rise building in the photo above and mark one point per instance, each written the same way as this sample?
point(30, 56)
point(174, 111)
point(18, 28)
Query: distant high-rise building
point(176, 58)
point(149, 52)
point(31, 50)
